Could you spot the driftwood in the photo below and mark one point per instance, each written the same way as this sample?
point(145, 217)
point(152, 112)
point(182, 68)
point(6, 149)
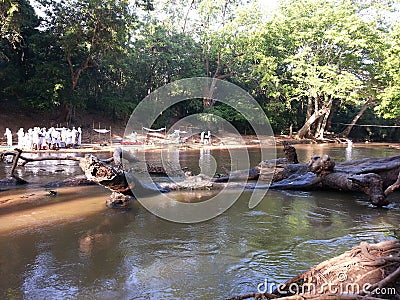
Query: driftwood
point(366, 272)
point(123, 185)
point(376, 177)
point(239, 175)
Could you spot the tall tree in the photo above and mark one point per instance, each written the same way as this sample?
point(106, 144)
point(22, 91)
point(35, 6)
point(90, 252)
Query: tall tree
point(18, 26)
point(9, 23)
point(330, 58)
point(87, 32)
point(390, 96)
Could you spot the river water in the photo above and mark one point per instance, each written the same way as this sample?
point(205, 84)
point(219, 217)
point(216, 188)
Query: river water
point(75, 248)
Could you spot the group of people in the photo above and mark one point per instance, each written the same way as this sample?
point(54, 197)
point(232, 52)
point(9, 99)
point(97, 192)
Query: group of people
point(205, 138)
point(43, 139)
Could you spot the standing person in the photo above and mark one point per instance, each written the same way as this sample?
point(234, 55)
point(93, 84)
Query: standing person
point(35, 139)
point(79, 136)
point(47, 138)
point(68, 141)
point(202, 137)
point(8, 135)
point(42, 133)
point(64, 134)
point(73, 136)
point(55, 139)
point(29, 139)
point(20, 134)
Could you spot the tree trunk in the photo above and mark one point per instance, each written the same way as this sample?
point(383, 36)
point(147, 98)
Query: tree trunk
point(310, 121)
point(370, 102)
point(310, 106)
point(323, 122)
point(369, 175)
point(333, 111)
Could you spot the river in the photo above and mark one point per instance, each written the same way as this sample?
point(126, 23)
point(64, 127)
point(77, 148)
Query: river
point(76, 248)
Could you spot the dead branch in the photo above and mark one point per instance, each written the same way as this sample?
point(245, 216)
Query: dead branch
point(393, 187)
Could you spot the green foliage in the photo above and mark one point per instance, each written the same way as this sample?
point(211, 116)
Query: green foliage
point(108, 55)
point(390, 97)
point(10, 22)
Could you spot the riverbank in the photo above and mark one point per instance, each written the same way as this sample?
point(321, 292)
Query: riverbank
point(30, 208)
point(89, 121)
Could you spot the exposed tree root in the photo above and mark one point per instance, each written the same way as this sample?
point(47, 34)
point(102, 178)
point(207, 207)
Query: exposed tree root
point(366, 272)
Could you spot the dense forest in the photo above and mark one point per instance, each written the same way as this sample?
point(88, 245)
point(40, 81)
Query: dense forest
point(314, 66)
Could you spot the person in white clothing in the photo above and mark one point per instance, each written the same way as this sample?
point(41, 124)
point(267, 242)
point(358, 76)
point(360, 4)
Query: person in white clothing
point(73, 136)
point(8, 135)
point(35, 139)
point(79, 136)
point(47, 137)
point(28, 141)
point(55, 139)
point(20, 135)
point(207, 138)
point(64, 134)
point(68, 141)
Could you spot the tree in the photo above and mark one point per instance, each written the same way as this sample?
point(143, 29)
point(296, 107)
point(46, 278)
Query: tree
point(330, 56)
point(9, 25)
point(18, 28)
point(87, 32)
point(209, 23)
point(390, 95)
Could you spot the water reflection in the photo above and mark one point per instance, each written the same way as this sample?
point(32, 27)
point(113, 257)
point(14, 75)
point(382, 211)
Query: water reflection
point(349, 149)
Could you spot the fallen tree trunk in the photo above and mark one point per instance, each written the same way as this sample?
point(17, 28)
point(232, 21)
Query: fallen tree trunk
point(367, 272)
point(124, 186)
point(376, 177)
point(372, 176)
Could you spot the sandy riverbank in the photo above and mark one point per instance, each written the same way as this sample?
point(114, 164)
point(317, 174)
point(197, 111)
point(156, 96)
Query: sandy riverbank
point(32, 208)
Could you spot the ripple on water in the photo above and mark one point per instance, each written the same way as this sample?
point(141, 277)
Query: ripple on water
point(255, 213)
point(311, 252)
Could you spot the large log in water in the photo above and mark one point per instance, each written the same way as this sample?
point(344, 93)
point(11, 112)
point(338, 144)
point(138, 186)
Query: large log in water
point(124, 185)
point(376, 177)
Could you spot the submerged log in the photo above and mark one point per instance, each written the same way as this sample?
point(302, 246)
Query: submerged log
point(365, 272)
point(13, 179)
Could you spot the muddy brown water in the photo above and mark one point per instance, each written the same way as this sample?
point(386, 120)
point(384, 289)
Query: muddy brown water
point(72, 247)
